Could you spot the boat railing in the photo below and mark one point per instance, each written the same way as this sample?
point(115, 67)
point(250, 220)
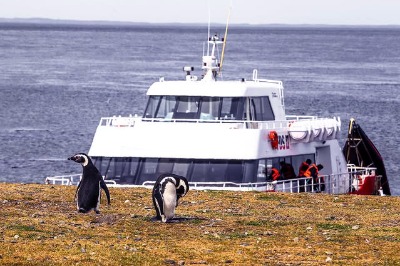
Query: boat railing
point(131, 121)
point(256, 79)
point(261, 186)
point(328, 184)
point(71, 180)
point(67, 180)
point(293, 118)
point(119, 121)
point(351, 168)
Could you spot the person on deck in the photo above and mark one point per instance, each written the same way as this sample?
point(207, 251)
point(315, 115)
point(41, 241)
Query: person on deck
point(274, 175)
point(287, 170)
point(313, 174)
point(303, 167)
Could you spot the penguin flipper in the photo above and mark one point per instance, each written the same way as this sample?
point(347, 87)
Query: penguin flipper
point(158, 203)
point(105, 188)
point(76, 191)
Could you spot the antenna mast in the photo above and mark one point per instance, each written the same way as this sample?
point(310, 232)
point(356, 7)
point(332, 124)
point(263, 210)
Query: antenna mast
point(209, 22)
point(225, 36)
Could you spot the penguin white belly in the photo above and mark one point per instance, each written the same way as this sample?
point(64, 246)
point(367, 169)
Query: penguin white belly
point(170, 198)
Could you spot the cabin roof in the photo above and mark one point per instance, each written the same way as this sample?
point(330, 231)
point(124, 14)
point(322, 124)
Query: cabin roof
point(215, 88)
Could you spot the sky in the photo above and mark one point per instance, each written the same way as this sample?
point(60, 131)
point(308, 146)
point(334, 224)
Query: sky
point(331, 12)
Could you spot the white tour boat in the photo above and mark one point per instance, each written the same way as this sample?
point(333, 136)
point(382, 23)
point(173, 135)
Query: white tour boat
point(221, 135)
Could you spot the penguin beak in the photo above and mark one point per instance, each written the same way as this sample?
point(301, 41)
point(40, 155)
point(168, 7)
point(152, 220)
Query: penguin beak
point(73, 158)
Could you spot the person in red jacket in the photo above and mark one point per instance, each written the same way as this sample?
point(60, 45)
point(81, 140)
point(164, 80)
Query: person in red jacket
point(303, 167)
point(274, 175)
point(312, 174)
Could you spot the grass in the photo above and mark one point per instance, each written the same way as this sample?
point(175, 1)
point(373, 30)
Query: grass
point(40, 226)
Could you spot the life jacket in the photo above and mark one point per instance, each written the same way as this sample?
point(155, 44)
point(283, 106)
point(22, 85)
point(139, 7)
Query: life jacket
point(275, 174)
point(310, 170)
point(303, 168)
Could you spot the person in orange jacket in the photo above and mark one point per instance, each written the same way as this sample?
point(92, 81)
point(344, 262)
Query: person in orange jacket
point(274, 175)
point(303, 167)
point(312, 173)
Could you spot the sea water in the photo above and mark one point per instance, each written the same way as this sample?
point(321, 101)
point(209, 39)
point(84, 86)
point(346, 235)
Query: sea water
point(56, 81)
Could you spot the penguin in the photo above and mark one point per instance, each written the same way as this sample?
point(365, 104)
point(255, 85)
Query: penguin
point(88, 193)
point(167, 191)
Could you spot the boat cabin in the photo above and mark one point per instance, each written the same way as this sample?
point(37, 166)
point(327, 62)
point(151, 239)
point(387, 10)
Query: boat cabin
point(257, 100)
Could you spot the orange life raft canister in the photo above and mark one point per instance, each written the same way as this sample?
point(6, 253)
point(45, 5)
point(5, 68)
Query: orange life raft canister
point(273, 137)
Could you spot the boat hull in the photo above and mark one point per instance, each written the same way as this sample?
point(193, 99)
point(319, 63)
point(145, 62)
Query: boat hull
point(360, 151)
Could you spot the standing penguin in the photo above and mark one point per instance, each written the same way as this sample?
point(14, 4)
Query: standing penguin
point(167, 190)
point(88, 193)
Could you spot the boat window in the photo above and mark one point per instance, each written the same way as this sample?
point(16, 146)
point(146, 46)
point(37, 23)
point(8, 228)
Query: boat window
point(206, 171)
point(222, 171)
point(151, 107)
point(260, 109)
point(195, 107)
point(264, 169)
point(200, 172)
point(138, 170)
point(121, 169)
point(186, 107)
point(166, 107)
point(150, 166)
point(250, 171)
point(165, 166)
point(160, 107)
point(125, 169)
point(187, 104)
point(148, 170)
point(218, 170)
point(181, 167)
point(234, 171)
point(295, 161)
point(209, 108)
point(232, 108)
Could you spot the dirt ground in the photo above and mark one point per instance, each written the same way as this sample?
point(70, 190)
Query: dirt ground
point(40, 226)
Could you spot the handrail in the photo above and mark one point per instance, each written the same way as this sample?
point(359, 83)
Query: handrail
point(360, 169)
point(217, 184)
point(329, 184)
point(68, 180)
point(323, 184)
point(119, 121)
point(130, 121)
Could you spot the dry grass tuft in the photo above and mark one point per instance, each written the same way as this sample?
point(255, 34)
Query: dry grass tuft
point(40, 226)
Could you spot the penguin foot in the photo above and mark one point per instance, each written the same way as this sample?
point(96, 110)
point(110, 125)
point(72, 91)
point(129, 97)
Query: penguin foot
point(82, 210)
point(155, 219)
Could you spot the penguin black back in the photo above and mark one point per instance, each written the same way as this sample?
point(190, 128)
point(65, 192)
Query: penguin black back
point(88, 192)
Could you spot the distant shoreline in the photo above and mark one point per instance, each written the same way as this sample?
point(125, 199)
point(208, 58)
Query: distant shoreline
point(42, 21)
